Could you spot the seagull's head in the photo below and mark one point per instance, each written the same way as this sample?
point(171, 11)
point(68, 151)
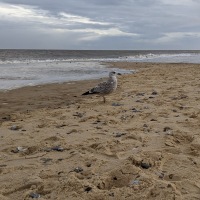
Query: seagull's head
point(111, 74)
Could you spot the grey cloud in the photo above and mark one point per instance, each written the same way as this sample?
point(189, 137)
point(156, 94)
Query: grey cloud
point(130, 24)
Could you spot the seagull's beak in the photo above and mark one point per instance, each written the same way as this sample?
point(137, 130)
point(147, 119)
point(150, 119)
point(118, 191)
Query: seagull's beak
point(119, 74)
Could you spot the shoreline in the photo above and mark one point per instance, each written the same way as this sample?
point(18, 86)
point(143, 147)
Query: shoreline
point(143, 143)
point(29, 98)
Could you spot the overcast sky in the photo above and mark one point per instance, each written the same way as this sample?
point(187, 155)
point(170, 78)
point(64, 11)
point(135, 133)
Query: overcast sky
point(100, 24)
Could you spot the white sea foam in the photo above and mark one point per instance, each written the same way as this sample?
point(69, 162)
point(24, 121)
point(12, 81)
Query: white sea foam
point(172, 58)
point(150, 57)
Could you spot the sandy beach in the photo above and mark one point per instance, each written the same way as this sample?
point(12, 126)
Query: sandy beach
point(143, 143)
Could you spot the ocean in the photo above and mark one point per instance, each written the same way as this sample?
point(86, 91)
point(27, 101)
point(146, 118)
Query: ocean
point(19, 68)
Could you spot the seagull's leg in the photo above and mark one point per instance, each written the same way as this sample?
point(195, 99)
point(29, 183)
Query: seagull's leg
point(104, 99)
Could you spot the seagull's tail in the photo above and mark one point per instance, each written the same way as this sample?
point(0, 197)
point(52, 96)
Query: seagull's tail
point(92, 91)
point(87, 93)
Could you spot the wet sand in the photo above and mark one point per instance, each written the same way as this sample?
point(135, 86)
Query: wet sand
point(143, 143)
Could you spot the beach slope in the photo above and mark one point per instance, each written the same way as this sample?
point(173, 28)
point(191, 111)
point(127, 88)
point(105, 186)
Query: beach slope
point(143, 143)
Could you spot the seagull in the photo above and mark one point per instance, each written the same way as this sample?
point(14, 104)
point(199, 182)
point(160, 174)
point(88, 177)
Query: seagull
point(105, 88)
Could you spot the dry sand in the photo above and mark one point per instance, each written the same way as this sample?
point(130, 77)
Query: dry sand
point(60, 145)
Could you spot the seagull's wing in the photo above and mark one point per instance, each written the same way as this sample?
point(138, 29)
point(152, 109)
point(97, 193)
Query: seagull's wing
point(100, 88)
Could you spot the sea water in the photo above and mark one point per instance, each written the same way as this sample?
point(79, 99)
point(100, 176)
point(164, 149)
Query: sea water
point(20, 68)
